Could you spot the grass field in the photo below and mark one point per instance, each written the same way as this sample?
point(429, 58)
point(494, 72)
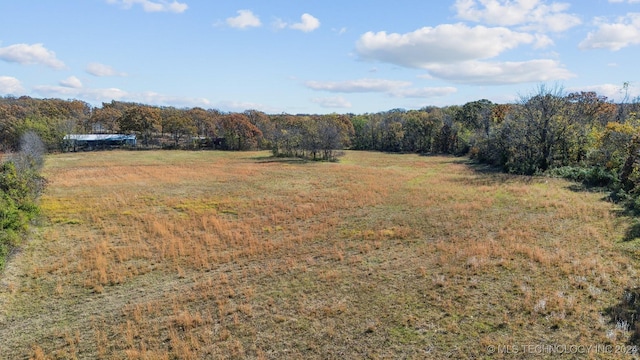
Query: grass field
point(194, 255)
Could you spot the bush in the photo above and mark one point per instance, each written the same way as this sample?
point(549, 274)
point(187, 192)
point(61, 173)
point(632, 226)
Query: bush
point(590, 176)
point(20, 186)
point(17, 208)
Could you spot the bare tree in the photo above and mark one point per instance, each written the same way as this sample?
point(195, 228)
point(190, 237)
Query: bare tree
point(31, 154)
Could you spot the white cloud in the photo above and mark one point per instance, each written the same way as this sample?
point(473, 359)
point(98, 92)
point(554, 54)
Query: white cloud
point(393, 88)
point(441, 44)
point(542, 41)
point(244, 105)
point(621, 1)
point(357, 86)
point(614, 92)
point(30, 54)
point(101, 70)
point(108, 94)
point(105, 94)
point(340, 31)
point(10, 85)
point(83, 93)
point(245, 19)
point(614, 36)
point(153, 6)
point(308, 23)
point(458, 53)
point(526, 14)
point(427, 92)
point(150, 97)
point(71, 82)
point(498, 73)
point(332, 102)
point(278, 24)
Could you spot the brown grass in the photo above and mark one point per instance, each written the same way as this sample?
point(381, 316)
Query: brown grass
point(193, 255)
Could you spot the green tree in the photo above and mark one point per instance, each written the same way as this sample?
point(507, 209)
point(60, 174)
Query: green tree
point(393, 136)
point(539, 124)
point(420, 128)
point(476, 115)
point(360, 124)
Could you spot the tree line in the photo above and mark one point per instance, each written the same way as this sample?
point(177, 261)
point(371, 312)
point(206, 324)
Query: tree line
point(580, 135)
point(317, 137)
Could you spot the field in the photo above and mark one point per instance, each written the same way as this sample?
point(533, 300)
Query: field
point(193, 255)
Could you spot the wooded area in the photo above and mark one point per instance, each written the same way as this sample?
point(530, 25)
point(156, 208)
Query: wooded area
point(581, 135)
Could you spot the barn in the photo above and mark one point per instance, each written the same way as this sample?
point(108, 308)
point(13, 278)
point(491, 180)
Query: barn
point(79, 142)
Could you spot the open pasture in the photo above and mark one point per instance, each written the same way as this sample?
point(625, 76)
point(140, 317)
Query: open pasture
point(193, 255)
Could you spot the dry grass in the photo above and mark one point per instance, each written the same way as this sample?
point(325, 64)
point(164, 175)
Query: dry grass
point(192, 255)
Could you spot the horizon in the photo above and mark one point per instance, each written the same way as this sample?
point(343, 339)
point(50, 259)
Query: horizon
point(316, 58)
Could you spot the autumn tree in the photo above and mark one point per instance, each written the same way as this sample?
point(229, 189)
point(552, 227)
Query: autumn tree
point(238, 132)
point(287, 135)
point(142, 120)
point(344, 126)
point(79, 112)
point(330, 137)
point(261, 121)
point(587, 113)
point(8, 125)
point(177, 124)
point(105, 119)
point(203, 121)
point(610, 148)
point(311, 142)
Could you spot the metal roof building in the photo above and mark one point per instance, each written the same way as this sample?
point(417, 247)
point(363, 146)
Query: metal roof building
point(76, 142)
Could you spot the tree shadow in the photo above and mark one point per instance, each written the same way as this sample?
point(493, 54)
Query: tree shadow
point(580, 187)
point(276, 159)
point(492, 175)
point(633, 232)
point(625, 314)
point(488, 175)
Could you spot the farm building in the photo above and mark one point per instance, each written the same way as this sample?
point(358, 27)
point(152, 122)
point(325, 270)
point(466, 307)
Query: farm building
point(76, 142)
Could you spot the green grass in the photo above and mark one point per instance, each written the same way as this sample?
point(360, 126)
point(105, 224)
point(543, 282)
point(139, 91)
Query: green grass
point(158, 254)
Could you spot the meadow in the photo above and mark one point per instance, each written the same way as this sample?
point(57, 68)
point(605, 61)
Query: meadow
point(195, 255)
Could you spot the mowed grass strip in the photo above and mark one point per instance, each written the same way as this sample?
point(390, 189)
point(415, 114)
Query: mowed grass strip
point(193, 255)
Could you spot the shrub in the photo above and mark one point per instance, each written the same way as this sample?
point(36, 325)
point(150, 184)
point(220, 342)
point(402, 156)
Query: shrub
point(20, 186)
point(17, 208)
point(590, 176)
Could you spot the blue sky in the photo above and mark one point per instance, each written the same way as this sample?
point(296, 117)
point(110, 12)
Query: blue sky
point(316, 56)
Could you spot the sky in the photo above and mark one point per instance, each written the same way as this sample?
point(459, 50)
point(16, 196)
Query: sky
point(317, 57)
